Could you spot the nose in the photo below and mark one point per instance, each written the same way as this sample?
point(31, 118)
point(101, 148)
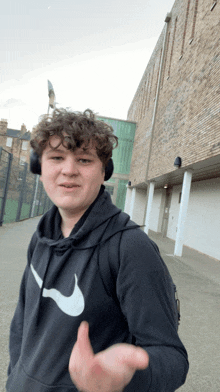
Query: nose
point(70, 167)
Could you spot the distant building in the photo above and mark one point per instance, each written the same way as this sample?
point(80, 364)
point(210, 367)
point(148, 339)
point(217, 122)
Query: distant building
point(15, 141)
point(117, 185)
point(177, 111)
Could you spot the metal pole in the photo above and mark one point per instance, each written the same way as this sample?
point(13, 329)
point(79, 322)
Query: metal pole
point(10, 157)
point(23, 188)
point(153, 121)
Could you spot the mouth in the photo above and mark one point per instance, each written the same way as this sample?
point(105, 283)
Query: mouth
point(69, 186)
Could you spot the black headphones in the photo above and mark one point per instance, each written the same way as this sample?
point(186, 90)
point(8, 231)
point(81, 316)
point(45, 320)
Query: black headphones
point(35, 166)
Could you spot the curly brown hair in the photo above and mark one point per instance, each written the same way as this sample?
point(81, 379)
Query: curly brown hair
point(81, 129)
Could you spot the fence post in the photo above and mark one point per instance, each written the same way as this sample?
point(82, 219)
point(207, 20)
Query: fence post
point(35, 196)
point(39, 201)
point(23, 187)
point(10, 157)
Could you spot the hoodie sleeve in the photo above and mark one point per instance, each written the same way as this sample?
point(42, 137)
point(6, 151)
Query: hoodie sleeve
point(16, 328)
point(144, 290)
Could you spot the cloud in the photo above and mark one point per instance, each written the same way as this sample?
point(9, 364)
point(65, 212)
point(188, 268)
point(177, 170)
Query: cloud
point(12, 102)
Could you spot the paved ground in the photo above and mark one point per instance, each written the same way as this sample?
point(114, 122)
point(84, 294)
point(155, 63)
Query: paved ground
point(198, 281)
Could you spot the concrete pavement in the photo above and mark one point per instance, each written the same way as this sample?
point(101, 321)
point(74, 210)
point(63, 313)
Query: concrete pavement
point(198, 282)
point(14, 240)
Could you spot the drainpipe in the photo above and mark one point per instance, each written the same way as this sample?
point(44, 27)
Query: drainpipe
point(167, 20)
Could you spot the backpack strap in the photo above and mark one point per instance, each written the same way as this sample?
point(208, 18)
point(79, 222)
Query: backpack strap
point(175, 294)
point(109, 258)
point(109, 251)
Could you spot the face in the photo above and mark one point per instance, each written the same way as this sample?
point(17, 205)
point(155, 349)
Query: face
point(72, 179)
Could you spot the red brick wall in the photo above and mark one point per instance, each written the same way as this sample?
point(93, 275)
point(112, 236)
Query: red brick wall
point(188, 115)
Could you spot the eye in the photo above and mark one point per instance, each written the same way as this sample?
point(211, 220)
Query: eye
point(56, 158)
point(85, 161)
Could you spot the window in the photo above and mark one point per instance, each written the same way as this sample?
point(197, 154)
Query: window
point(22, 160)
point(24, 145)
point(185, 27)
point(150, 86)
point(194, 20)
point(9, 142)
point(213, 5)
point(165, 58)
point(171, 53)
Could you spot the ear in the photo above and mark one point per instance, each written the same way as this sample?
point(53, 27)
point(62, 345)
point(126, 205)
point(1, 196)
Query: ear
point(35, 166)
point(109, 170)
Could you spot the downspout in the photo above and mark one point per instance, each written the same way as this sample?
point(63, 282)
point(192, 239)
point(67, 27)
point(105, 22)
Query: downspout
point(167, 20)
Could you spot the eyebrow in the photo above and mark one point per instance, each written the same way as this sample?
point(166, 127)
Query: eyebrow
point(79, 151)
point(54, 150)
point(84, 152)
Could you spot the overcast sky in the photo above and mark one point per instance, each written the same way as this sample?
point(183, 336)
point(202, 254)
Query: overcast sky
point(93, 52)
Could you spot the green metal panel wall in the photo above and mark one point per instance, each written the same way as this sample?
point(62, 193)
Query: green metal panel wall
point(125, 131)
point(121, 194)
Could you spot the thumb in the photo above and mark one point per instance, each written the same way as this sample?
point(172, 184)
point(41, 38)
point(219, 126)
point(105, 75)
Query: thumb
point(142, 358)
point(83, 342)
point(138, 358)
point(82, 352)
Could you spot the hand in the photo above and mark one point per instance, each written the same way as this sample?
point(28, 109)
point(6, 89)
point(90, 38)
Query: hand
point(108, 371)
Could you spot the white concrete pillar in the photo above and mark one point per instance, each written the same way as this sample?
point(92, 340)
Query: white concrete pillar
point(115, 191)
point(133, 195)
point(128, 200)
point(149, 207)
point(183, 213)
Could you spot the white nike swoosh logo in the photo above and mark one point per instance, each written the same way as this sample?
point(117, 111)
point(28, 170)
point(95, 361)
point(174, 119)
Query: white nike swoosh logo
point(73, 305)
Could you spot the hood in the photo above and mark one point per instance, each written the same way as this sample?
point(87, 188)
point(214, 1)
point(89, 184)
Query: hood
point(99, 215)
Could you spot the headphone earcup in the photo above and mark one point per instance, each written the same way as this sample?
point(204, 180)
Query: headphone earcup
point(35, 166)
point(109, 170)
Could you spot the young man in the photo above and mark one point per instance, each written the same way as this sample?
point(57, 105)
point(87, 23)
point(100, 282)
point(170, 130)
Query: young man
point(68, 332)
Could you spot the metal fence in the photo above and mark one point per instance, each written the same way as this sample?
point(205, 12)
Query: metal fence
point(22, 195)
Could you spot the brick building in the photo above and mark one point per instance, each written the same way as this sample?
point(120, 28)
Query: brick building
point(177, 111)
point(15, 141)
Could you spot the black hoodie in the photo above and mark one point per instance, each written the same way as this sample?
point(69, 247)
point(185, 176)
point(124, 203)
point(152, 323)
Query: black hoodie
point(62, 285)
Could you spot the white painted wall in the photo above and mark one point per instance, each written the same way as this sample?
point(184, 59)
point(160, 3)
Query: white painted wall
point(203, 218)
point(202, 231)
point(139, 206)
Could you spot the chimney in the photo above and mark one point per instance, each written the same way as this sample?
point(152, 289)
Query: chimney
point(3, 126)
point(23, 130)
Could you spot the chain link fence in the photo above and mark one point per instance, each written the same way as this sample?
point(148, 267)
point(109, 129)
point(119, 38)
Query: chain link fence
point(22, 195)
